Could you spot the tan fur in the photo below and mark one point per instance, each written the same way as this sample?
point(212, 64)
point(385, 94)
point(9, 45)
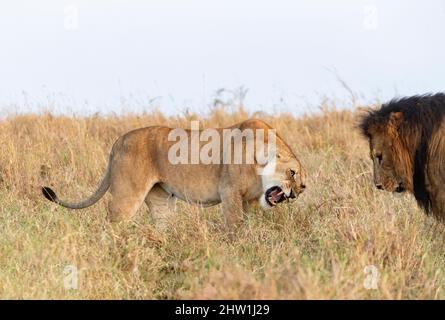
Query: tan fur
point(139, 170)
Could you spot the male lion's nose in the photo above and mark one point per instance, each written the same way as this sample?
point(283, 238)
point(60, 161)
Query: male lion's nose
point(379, 186)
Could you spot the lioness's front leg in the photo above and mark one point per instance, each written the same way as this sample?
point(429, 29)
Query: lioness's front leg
point(232, 206)
point(250, 205)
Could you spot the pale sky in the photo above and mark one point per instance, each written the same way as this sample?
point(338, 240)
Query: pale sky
point(114, 55)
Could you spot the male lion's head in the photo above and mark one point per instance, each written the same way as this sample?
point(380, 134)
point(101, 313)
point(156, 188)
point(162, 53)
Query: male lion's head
point(390, 153)
point(283, 178)
point(405, 140)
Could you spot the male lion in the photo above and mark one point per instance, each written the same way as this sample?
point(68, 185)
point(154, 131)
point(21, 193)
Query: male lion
point(407, 146)
point(140, 169)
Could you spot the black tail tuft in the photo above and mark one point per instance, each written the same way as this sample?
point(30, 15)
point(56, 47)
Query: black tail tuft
point(49, 194)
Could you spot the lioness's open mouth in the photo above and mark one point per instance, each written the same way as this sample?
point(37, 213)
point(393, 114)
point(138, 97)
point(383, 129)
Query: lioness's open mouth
point(274, 196)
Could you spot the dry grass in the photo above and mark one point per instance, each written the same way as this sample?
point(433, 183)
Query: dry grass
point(316, 249)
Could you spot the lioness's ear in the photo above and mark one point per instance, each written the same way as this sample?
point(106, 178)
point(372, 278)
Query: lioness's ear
point(395, 118)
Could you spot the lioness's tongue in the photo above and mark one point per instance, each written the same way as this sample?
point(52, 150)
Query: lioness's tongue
point(275, 195)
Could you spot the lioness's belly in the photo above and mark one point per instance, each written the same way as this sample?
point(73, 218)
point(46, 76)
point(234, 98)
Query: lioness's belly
point(192, 195)
point(194, 184)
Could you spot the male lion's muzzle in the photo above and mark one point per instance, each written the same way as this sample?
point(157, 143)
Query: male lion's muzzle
point(400, 188)
point(392, 187)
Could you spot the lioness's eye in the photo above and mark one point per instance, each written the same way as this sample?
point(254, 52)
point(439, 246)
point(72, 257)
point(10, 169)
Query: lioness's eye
point(292, 173)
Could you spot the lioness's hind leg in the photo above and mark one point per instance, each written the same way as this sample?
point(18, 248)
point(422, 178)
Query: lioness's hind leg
point(129, 187)
point(161, 205)
point(125, 203)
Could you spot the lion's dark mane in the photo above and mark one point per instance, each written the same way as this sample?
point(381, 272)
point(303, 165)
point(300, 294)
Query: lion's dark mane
point(422, 115)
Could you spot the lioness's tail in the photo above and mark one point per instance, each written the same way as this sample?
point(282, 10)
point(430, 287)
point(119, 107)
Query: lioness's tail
point(103, 187)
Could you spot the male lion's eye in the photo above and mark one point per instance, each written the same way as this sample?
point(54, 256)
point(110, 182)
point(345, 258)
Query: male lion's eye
point(379, 158)
point(292, 173)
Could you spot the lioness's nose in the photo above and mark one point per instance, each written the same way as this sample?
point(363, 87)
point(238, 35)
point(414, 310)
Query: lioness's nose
point(303, 186)
point(379, 186)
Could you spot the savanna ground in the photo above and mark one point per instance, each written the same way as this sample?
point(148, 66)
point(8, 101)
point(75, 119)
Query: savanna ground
point(318, 248)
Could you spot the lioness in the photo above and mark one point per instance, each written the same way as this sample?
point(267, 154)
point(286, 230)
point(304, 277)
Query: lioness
point(407, 146)
point(140, 169)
